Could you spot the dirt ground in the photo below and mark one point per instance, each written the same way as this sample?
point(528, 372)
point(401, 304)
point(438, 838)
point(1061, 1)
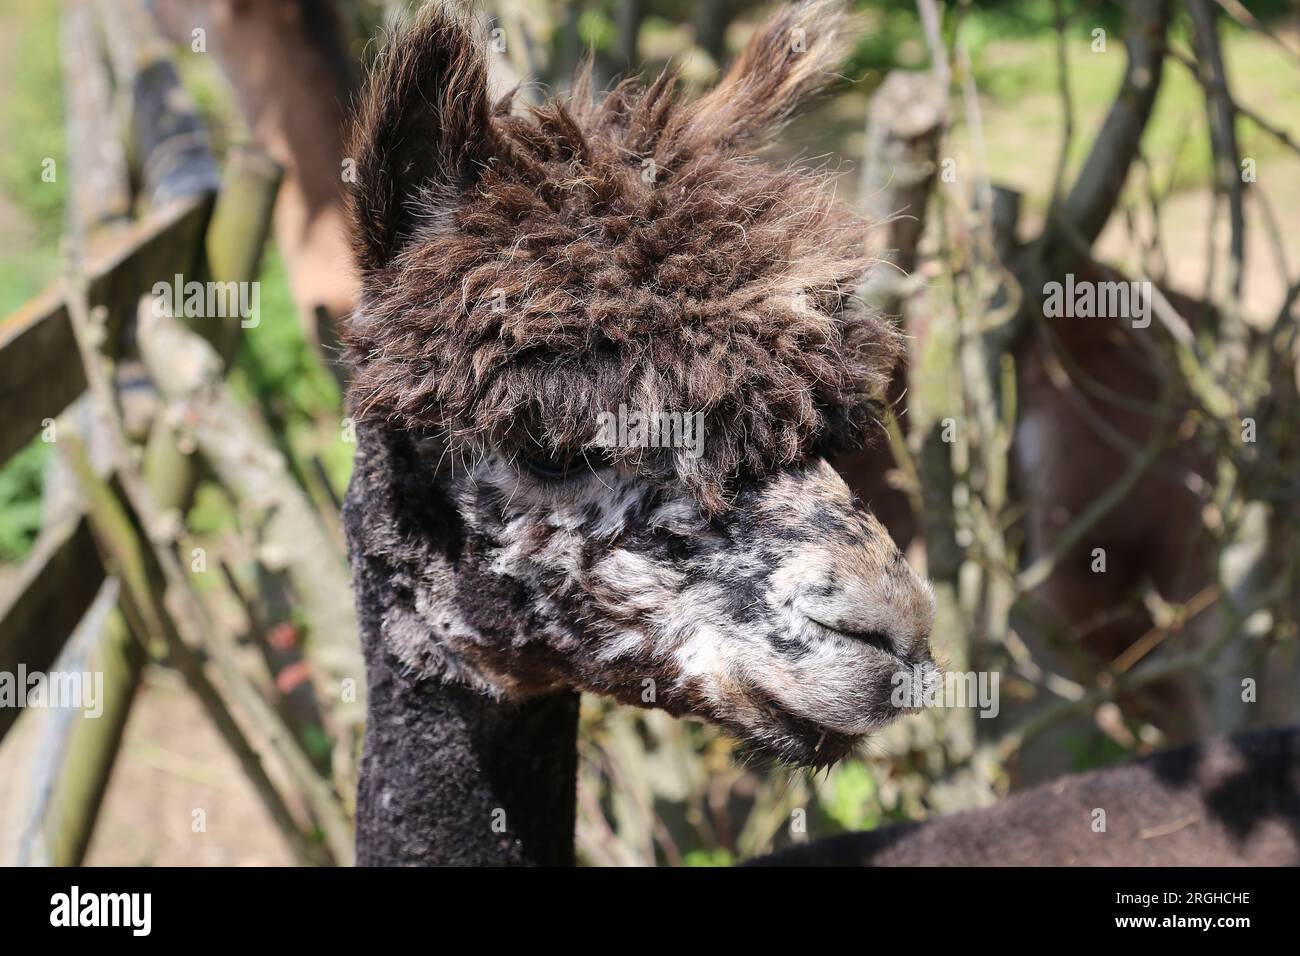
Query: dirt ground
point(171, 764)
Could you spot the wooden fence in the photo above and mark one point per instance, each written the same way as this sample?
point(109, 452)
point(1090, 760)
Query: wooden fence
point(113, 569)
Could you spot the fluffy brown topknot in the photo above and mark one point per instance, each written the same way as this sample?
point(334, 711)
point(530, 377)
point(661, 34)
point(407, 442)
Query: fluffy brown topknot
point(525, 273)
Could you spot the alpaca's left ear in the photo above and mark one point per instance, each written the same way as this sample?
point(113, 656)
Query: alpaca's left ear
point(422, 130)
point(789, 59)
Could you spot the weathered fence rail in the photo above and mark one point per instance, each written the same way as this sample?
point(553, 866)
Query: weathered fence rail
point(58, 359)
point(40, 370)
point(50, 595)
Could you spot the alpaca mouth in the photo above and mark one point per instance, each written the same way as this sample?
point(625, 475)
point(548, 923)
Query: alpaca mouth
point(832, 747)
point(800, 741)
point(822, 749)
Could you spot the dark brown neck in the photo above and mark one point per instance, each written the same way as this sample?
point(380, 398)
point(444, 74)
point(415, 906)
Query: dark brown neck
point(449, 775)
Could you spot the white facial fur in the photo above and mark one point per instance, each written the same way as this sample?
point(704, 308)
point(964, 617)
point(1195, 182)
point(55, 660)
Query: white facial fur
point(784, 619)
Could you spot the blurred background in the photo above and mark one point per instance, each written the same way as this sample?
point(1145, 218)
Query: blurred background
point(1108, 511)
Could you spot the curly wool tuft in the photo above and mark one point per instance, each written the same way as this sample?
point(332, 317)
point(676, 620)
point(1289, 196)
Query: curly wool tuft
point(524, 274)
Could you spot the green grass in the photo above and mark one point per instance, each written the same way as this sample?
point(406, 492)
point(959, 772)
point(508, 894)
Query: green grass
point(714, 857)
point(24, 273)
point(277, 369)
point(31, 127)
point(20, 500)
point(31, 117)
point(1013, 51)
point(853, 800)
point(1024, 119)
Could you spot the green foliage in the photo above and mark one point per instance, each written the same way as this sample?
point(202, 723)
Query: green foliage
point(31, 127)
point(279, 370)
point(595, 30)
point(316, 742)
point(895, 38)
point(1094, 750)
point(210, 511)
point(24, 273)
point(274, 358)
point(892, 40)
point(20, 500)
point(32, 117)
point(853, 798)
point(716, 857)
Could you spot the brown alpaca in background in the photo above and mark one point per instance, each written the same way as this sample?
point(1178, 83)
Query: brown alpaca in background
point(1226, 801)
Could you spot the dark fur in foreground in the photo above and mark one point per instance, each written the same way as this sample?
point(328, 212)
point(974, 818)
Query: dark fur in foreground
point(524, 273)
point(444, 762)
point(1227, 801)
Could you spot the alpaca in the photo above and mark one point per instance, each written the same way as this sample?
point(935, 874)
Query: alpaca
point(1153, 536)
point(524, 275)
point(1223, 801)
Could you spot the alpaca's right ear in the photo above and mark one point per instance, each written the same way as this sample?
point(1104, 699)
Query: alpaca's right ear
point(422, 130)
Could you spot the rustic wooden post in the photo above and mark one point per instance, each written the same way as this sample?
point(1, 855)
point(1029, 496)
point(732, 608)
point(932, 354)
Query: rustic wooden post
point(81, 756)
point(99, 202)
point(169, 146)
point(232, 252)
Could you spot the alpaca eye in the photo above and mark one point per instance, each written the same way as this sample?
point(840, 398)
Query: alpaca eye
point(546, 469)
point(563, 469)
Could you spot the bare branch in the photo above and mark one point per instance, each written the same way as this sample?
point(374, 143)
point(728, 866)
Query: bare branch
point(1223, 134)
point(932, 23)
point(1238, 12)
point(1100, 182)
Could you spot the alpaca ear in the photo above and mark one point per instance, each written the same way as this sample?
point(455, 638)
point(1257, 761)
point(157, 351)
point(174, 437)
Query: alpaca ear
point(788, 60)
point(421, 132)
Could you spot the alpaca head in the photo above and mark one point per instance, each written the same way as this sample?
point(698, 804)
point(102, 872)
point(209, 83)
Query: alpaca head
point(548, 298)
